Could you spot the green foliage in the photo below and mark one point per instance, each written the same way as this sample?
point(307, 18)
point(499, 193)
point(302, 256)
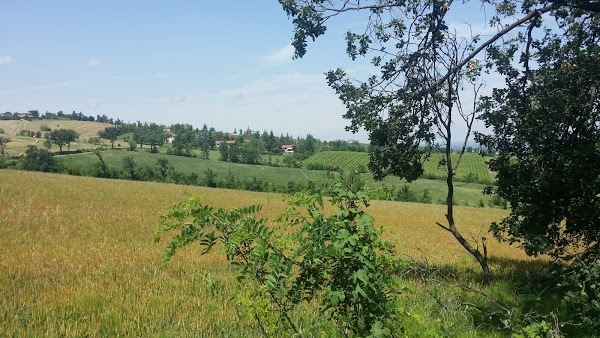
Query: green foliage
point(330, 160)
point(132, 144)
point(547, 132)
point(111, 134)
point(101, 169)
point(211, 178)
point(129, 166)
point(580, 285)
point(163, 167)
point(62, 137)
point(473, 167)
point(339, 259)
point(152, 134)
point(36, 159)
point(3, 143)
point(204, 141)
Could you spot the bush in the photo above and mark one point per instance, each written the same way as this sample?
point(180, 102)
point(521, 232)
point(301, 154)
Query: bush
point(95, 140)
point(36, 159)
point(580, 284)
point(339, 260)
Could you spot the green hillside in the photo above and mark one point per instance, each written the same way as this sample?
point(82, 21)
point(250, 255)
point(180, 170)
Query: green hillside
point(473, 167)
point(346, 160)
point(465, 193)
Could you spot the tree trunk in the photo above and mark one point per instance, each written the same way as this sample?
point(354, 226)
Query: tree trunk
point(481, 258)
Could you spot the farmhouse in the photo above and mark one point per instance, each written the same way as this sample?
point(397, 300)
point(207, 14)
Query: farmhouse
point(218, 143)
point(288, 149)
point(170, 139)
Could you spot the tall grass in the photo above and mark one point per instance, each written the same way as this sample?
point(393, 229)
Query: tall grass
point(78, 257)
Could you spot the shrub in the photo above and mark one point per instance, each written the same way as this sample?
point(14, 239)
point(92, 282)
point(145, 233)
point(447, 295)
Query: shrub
point(338, 260)
point(580, 284)
point(36, 159)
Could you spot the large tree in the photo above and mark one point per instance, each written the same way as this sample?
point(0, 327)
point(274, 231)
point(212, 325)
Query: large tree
point(62, 137)
point(546, 130)
point(111, 134)
point(423, 67)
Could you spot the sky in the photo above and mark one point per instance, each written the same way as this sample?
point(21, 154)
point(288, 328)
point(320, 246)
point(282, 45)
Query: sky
point(226, 64)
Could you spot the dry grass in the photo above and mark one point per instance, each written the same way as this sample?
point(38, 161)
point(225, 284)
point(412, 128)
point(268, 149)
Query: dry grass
point(78, 256)
point(19, 144)
point(85, 129)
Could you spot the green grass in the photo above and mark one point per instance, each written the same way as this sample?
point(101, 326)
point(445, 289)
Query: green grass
point(346, 160)
point(472, 168)
point(465, 193)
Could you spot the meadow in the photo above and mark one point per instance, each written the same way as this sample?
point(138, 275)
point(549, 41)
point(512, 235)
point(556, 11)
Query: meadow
point(79, 259)
point(465, 193)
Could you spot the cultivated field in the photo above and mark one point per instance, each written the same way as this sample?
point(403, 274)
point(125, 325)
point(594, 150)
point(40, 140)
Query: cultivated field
point(78, 257)
point(19, 144)
point(85, 129)
point(472, 168)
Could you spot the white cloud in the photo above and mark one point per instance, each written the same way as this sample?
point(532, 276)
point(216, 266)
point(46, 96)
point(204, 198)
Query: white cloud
point(5, 59)
point(94, 62)
point(280, 55)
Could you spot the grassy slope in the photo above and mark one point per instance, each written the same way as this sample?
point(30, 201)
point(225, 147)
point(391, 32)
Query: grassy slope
point(471, 164)
point(78, 259)
point(19, 143)
point(465, 193)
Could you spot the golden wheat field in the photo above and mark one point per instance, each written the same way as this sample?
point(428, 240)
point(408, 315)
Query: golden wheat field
point(78, 257)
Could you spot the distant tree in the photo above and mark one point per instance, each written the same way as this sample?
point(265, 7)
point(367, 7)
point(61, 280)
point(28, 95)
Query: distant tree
point(307, 146)
point(140, 135)
point(156, 137)
point(250, 152)
point(211, 178)
point(223, 151)
point(185, 139)
point(111, 134)
point(63, 137)
point(132, 144)
point(162, 167)
point(37, 160)
point(204, 141)
point(34, 113)
point(129, 166)
point(3, 142)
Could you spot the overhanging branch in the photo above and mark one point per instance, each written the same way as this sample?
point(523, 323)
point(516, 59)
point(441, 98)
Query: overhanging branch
point(498, 35)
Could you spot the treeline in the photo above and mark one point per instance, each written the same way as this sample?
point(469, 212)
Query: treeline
point(246, 147)
point(60, 115)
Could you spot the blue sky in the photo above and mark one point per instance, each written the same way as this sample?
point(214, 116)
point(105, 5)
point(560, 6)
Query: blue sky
point(226, 64)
